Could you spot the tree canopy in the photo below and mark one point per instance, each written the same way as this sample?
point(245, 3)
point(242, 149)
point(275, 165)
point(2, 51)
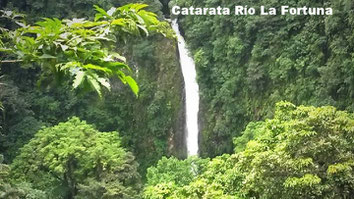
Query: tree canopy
point(77, 161)
point(303, 152)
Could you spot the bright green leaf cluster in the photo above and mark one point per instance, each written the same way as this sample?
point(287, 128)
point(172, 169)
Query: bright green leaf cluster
point(80, 48)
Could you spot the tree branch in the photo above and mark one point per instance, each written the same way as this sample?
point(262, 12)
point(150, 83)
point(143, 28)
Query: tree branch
point(10, 61)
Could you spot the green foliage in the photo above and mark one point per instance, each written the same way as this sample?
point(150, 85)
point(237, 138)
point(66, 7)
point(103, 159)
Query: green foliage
point(1, 108)
point(251, 132)
point(297, 152)
point(303, 152)
point(80, 48)
point(171, 173)
point(21, 120)
point(21, 190)
point(157, 112)
point(190, 178)
point(154, 113)
point(180, 172)
point(1, 105)
point(76, 9)
point(4, 173)
point(74, 160)
point(246, 64)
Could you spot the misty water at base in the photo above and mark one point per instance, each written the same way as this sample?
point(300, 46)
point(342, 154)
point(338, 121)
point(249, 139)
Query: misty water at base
point(191, 91)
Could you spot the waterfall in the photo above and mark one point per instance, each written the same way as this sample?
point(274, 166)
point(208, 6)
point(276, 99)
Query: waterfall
point(192, 93)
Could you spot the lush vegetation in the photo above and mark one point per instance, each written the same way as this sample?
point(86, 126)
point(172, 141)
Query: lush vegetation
point(303, 152)
point(70, 128)
point(77, 161)
point(248, 63)
point(29, 106)
point(81, 48)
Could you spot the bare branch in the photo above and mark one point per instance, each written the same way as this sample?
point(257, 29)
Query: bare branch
point(10, 61)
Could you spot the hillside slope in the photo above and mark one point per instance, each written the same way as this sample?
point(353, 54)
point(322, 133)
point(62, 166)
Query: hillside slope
point(248, 63)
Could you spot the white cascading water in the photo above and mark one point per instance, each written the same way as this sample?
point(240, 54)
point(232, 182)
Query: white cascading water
point(192, 93)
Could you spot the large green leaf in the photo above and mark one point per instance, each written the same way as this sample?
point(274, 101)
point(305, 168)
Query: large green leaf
point(79, 78)
point(94, 84)
point(96, 67)
point(133, 85)
point(104, 82)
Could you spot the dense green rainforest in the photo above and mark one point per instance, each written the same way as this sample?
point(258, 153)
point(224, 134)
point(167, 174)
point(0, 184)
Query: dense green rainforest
point(276, 114)
point(248, 63)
